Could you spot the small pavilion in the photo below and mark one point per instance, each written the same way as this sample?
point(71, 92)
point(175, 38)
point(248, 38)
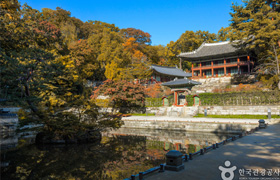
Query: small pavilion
point(181, 88)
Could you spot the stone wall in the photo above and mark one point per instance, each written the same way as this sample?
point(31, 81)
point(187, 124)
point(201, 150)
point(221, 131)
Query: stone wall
point(237, 110)
point(190, 111)
point(11, 109)
point(209, 84)
point(189, 126)
point(8, 124)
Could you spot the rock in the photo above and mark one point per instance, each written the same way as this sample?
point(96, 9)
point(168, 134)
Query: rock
point(43, 138)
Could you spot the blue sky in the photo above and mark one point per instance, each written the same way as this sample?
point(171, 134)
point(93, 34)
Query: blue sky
point(165, 20)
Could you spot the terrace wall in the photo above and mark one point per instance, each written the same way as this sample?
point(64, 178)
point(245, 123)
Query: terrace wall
point(239, 110)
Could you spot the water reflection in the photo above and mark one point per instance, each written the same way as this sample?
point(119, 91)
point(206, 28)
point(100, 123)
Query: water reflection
point(186, 142)
point(121, 153)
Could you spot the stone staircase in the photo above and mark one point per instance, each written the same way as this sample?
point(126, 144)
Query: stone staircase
point(173, 111)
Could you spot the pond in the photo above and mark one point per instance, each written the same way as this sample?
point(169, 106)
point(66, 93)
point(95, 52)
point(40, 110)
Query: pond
point(120, 154)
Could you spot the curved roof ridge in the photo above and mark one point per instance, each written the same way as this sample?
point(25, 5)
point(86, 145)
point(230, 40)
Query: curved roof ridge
point(184, 81)
point(171, 71)
point(201, 46)
point(164, 66)
point(206, 44)
point(211, 49)
point(195, 51)
point(217, 43)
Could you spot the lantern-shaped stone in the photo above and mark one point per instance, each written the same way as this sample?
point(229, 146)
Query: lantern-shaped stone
point(262, 123)
point(174, 161)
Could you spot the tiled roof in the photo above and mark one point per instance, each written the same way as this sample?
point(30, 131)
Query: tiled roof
point(177, 82)
point(170, 71)
point(211, 50)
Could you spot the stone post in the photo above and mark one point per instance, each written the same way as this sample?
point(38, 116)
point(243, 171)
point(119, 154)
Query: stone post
point(269, 113)
point(174, 161)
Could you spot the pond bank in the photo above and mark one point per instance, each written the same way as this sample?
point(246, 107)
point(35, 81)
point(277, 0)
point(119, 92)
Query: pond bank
point(191, 124)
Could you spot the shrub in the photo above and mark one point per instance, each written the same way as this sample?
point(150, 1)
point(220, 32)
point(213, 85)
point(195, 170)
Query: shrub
point(153, 102)
point(241, 98)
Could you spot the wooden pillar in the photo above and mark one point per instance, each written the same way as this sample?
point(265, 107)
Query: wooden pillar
point(212, 68)
point(180, 63)
point(200, 70)
point(225, 68)
point(192, 70)
point(176, 98)
point(238, 65)
point(248, 61)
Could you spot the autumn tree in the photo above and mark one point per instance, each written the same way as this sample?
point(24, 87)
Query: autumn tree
point(85, 60)
point(224, 34)
point(42, 78)
point(256, 27)
point(111, 59)
point(188, 41)
point(156, 54)
point(140, 64)
point(140, 36)
point(124, 96)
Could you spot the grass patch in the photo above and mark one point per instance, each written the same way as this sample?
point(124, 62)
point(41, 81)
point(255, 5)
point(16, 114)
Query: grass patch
point(241, 116)
point(149, 114)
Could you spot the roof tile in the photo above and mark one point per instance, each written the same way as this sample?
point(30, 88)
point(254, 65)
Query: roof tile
point(170, 71)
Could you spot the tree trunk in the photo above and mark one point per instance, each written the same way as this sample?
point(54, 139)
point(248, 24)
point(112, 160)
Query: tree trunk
point(33, 108)
point(276, 58)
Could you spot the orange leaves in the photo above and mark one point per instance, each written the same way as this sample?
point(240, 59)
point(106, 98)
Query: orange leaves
point(140, 36)
point(122, 93)
point(168, 91)
point(240, 88)
point(162, 61)
point(130, 44)
point(133, 47)
point(138, 54)
point(154, 90)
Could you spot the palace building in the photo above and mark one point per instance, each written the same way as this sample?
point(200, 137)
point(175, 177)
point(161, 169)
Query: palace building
point(218, 60)
point(165, 73)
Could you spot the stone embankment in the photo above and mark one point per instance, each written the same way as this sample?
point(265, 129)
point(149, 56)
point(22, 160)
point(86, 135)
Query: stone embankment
point(8, 122)
point(209, 84)
point(190, 124)
point(190, 111)
point(239, 110)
